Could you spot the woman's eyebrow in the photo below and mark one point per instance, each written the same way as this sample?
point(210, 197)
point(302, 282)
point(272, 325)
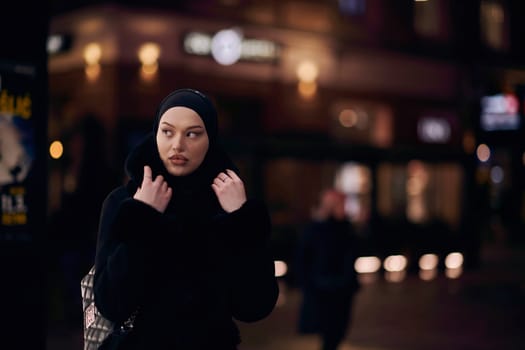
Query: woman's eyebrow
point(187, 128)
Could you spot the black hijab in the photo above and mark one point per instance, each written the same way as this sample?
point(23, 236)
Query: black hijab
point(192, 194)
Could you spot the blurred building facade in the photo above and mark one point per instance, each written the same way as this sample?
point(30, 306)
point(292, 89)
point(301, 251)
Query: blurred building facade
point(381, 99)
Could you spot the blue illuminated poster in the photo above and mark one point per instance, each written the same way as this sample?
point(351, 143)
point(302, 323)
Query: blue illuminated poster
point(17, 148)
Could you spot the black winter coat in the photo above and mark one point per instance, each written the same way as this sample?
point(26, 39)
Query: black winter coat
point(325, 259)
point(189, 271)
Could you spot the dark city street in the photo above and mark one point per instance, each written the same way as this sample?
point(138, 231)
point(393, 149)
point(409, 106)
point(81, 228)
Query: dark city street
point(482, 309)
point(194, 155)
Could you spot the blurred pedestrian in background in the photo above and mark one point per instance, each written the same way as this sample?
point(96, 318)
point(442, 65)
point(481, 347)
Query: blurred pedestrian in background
point(325, 271)
point(181, 244)
point(72, 229)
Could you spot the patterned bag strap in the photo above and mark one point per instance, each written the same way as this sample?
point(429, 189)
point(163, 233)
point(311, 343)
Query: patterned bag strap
point(88, 301)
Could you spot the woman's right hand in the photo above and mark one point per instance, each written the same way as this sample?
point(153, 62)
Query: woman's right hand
point(155, 193)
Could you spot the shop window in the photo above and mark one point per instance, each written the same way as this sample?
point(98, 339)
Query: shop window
point(430, 19)
point(361, 122)
point(492, 20)
point(420, 191)
point(290, 194)
point(354, 180)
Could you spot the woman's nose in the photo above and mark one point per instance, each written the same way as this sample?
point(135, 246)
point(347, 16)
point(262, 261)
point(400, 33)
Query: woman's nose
point(178, 142)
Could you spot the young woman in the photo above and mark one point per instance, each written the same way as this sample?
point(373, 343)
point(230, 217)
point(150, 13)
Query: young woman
point(181, 244)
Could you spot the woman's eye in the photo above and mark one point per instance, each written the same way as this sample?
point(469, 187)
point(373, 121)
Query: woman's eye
point(192, 134)
point(166, 132)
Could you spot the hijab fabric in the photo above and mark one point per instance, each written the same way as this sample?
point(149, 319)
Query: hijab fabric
point(194, 100)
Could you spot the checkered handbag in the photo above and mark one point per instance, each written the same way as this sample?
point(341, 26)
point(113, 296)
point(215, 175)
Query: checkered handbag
point(96, 327)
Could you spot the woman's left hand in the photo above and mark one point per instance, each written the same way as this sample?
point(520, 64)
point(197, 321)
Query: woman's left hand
point(229, 189)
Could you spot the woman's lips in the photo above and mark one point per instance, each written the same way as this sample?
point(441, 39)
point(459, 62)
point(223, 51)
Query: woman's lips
point(178, 160)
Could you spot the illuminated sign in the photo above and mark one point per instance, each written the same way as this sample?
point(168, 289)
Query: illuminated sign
point(18, 133)
point(58, 43)
point(500, 112)
point(433, 130)
point(226, 46)
point(229, 46)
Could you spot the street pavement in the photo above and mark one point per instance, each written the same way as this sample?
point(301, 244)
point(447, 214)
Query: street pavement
point(481, 309)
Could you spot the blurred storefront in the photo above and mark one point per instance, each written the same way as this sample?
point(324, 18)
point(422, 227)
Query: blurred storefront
point(500, 154)
point(307, 98)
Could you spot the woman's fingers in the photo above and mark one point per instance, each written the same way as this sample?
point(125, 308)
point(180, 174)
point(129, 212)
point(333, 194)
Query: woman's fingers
point(229, 189)
point(156, 193)
point(233, 175)
point(147, 173)
point(227, 175)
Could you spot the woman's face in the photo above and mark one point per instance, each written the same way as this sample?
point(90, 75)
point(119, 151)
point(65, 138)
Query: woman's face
point(182, 140)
